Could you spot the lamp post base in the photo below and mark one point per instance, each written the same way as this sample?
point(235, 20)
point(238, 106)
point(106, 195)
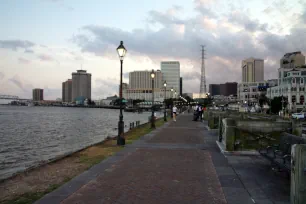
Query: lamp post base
point(120, 138)
point(165, 116)
point(153, 122)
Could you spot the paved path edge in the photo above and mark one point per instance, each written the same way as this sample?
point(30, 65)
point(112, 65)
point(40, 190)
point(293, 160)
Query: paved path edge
point(77, 182)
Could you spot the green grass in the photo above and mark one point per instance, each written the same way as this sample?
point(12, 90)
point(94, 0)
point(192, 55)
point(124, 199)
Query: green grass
point(29, 198)
point(136, 133)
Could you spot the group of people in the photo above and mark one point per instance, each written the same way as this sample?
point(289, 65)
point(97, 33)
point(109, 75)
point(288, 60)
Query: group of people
point(198, 112)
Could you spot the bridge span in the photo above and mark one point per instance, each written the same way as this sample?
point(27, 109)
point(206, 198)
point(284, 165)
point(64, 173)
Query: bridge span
point(7, 99)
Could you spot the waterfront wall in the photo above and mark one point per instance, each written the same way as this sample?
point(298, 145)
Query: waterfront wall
point(240, 131)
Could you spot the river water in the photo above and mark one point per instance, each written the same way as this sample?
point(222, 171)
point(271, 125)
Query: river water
point(31, 135)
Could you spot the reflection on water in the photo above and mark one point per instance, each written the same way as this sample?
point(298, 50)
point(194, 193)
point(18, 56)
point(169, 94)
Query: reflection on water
point(30, 135)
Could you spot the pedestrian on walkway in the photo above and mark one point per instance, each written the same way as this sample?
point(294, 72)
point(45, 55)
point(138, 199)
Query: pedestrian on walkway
point(195, 113)
point(174, 109)
point(200, 112)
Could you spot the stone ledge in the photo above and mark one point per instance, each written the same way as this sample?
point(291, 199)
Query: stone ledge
point(240, 153)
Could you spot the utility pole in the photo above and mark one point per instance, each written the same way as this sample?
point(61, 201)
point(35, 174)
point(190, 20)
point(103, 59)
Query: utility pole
point(203, 78)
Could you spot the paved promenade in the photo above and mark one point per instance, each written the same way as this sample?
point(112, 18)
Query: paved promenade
point(177, 163)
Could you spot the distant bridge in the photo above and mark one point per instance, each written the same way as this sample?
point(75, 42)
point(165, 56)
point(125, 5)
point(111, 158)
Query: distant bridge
point(14, 98)
point(8, 99)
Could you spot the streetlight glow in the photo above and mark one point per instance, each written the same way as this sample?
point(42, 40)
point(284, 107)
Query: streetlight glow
point(152, 74)
point(121, 50)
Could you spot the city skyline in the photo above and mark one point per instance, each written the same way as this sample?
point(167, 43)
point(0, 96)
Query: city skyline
point(43, 42)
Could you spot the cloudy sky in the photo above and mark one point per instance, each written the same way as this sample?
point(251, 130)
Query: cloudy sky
point(43, 41)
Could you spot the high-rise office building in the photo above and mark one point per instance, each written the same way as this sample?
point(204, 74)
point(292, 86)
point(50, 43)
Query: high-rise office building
point(38, 94)
point(171, 74)
point(223, 89)
point(231, 88)
point(142, 79)
point(214, 89)
point(67, 91)
point(252, 70)
point(81, 85)
point(140, 86)
point(292, 60)
point(227, 89)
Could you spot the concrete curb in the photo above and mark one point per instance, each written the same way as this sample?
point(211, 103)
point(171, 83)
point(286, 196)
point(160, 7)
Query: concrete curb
point(238, 153)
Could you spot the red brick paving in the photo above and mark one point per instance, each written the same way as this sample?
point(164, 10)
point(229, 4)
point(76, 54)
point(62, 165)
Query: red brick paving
point(155, 176)
point(177, 136)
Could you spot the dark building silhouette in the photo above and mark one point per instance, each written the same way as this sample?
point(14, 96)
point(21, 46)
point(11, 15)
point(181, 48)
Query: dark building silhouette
point(181, 86)
point(229, 88)
point(38, 94)
point(223, 89)
point(214, 89)
point(67, 91)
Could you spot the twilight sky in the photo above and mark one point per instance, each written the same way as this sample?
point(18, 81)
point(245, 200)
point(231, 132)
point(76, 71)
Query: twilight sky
point(43, 41)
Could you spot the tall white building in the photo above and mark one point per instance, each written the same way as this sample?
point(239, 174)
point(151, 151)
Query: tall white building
point(252, 70)
point(291, 80)
point(140, 86)
point(81, 85)
point(171, 74)
point(142, 80)
point(250, 91)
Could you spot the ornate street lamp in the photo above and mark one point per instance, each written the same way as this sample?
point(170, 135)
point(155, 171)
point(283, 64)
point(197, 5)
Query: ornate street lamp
point(165, 114)
point(120, 139)
point(152, 117)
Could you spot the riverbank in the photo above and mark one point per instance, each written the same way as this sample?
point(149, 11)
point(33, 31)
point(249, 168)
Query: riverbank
point(30, 136)
point(31, 185)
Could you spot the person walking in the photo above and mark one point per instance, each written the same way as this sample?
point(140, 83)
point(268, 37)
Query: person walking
point(174, 109)
point(200, 112)
point(195, 113)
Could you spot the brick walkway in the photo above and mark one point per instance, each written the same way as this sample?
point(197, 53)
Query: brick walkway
point(155, 176)
point(177, 163)
point(167, 166)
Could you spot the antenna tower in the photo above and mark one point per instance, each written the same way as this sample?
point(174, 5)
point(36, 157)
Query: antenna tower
point(203, 78)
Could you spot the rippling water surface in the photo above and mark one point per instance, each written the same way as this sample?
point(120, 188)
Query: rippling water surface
point(30, 135)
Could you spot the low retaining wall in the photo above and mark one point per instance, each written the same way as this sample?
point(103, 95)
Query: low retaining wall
point(240, 134)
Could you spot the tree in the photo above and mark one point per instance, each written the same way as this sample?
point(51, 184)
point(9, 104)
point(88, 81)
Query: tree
point(169, 102)
point(118, 101)
point(137, 101)
point(188, 98)
point(276, 104)
point(90, 102)
point(263, 99)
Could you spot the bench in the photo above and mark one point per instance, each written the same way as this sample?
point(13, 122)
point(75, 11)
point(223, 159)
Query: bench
point(280, 154)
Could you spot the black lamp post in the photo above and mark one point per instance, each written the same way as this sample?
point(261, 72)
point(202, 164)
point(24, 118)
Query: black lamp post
point(172, 101)
point(152, 117)
point(165, 114)
point(120, 139)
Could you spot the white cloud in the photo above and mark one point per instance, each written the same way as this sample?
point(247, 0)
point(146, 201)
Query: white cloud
point(229, 37)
